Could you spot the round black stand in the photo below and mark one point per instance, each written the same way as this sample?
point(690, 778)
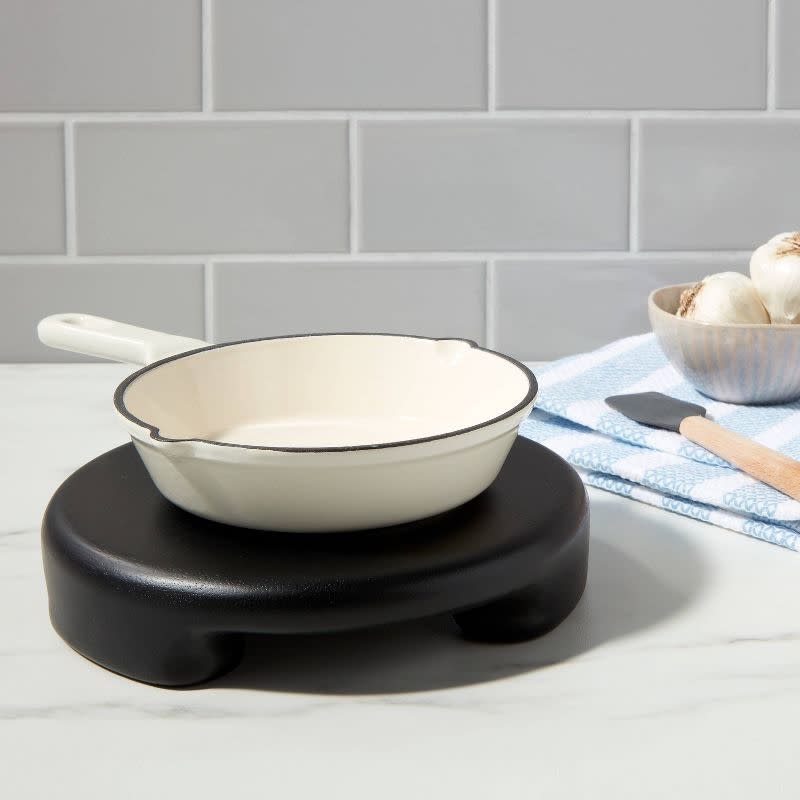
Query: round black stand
point(159, 595)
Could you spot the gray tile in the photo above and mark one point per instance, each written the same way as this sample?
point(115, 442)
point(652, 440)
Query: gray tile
point(550, 309)
point(483, 185)
point(31, 189)
point(166, 297)
point(270, 54)
point(212, 187)
point(631, 54)
point(717, 184)
point(99, 55)
point(275, 299)
point(787, 18)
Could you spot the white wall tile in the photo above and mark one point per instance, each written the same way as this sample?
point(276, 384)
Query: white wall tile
point(99, 55)
point(274, 299)
point(631, 54)
point(494, 186)
point(717, 184)
point(377, 54)
point(212, 187)
point(787, 21)
point(31, 189)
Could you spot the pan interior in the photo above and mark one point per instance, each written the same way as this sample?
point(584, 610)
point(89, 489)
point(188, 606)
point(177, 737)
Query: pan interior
point(326, 391)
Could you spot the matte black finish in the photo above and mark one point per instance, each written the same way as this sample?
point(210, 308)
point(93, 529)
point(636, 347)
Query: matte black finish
point(159, 595)
point(655, 409)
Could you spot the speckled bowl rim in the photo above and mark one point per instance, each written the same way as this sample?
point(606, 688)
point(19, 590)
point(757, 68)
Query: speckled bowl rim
point(653, 306)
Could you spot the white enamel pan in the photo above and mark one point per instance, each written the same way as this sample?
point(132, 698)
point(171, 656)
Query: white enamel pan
point(324, 432)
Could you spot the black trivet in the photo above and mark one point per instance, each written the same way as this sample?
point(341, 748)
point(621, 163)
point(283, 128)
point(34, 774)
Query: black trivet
point(162, 596)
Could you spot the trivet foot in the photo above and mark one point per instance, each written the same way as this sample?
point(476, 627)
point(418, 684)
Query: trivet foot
point(146, 650)
point(533, 611)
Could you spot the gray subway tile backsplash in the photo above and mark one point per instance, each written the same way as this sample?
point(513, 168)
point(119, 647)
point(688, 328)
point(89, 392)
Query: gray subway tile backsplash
point(191, 187)
point(370, 54)
point(276, 299)
point(550, 309)
point(270, 167)
point(631, 54)
point(490, 185)
point(787, 17)
point(99, 55)
point(717, 184)
point(166, 297)
point(31, 189)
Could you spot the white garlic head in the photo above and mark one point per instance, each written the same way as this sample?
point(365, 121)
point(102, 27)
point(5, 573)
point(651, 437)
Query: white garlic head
point(775, 270)
point(721, 298)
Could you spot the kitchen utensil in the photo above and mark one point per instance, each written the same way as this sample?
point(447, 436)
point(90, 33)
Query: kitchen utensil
point(161, 596)
point(749, 364)
point(660, 411)
point(324, 432)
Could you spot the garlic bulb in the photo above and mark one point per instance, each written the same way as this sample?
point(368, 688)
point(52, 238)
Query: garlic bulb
point(724, 297)
point(775, 270)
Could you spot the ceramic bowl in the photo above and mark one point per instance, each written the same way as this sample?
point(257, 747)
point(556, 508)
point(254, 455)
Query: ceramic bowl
point(746, 364)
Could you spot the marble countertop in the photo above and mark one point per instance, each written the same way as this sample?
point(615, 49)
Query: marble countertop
point(678, 675)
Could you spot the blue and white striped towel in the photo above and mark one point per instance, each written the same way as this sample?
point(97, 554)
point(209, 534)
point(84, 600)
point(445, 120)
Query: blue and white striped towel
point(660, 467)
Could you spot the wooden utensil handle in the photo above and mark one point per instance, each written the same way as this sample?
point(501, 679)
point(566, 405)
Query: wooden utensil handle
point(769, 466)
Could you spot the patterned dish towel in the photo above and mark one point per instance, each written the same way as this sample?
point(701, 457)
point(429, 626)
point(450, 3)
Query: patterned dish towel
point(660, 467)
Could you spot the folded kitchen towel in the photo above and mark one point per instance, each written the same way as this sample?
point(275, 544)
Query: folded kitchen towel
point(660, 467)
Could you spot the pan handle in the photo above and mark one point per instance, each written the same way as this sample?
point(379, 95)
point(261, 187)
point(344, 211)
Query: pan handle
point(105, 338)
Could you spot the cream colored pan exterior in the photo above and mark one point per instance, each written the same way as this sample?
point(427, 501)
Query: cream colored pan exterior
point(317, 433)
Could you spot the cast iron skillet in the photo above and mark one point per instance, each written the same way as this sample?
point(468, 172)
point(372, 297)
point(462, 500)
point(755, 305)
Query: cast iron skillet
point(322, 432)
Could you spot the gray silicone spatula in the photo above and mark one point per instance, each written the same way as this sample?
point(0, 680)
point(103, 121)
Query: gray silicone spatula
point(661, 411)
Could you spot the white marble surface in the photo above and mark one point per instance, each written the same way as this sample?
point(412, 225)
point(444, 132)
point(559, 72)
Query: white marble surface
point(677, 676)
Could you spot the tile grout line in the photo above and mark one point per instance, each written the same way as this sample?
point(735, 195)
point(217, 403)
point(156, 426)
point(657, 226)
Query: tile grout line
point(489, 304)
point(207, 87)
point(353, 179)
point(772, 43)
point(70, 220)
point(510, 115)
point(209, 333)
point(491, 56)
point(366, 256)
point(633, 186)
